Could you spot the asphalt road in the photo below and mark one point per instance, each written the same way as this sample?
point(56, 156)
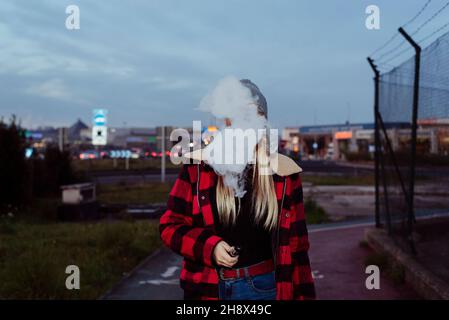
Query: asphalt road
point(337, 262)
point(309, 166)
point(135, 176)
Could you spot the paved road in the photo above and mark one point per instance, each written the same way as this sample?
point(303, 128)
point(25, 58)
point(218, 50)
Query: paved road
point(309, 166)
point(135, 176)
point(336, 259)
point(156, 278)
point(338, 264)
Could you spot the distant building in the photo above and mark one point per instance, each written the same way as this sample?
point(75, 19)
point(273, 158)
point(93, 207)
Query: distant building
point(144, 138)
point(336, 141)
point(79, 133)
point(328, 141)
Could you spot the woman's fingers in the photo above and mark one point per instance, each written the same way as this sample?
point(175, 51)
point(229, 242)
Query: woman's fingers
point(225, 264)
point(231, 260)
point(222, 255)
point(226, 259)
point(222, 262)
point(226, 246)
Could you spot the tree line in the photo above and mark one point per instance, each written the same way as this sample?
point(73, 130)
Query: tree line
point(23, 179)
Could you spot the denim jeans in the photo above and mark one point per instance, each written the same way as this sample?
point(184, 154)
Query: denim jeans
point(260, 287)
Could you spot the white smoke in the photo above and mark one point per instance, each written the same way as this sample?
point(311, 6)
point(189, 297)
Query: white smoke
point(231, 99)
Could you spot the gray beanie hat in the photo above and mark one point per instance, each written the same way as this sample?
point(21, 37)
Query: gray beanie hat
point(260, 99)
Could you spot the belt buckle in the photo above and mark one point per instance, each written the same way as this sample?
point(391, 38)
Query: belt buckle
point(220, 274)
point(222, 277)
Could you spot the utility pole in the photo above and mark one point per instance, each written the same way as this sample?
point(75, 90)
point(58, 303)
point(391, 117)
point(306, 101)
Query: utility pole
point(61, 138)
point(163, 155)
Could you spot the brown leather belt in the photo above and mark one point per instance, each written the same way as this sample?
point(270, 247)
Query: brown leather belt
point(253, 270)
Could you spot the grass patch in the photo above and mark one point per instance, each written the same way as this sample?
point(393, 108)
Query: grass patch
point(155, 192)
point(377, 259)
point(33, 257)
point(363, 244)
point(394, 271)
point(347, 180)
point(41, 209)
point(108, 164)
point(314, 213)
point(333, 180)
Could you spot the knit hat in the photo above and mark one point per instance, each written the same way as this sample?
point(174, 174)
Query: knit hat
point(260, 100)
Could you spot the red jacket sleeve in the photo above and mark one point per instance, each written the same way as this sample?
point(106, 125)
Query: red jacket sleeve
point(176, 229)
point(303, 286)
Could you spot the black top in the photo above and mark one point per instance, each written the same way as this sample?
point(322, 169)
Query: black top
point(254, 240)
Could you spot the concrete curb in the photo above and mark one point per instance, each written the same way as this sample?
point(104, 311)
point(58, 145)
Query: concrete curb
point(423, 281)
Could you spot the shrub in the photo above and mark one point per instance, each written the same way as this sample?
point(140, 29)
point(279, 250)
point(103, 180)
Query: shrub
point(14, 174)
point(314, 213)
point(358, 156)
point(51, 172)
point(422, 159)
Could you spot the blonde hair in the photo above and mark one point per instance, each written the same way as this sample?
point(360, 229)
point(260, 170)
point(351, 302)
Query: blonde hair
point(264, 201)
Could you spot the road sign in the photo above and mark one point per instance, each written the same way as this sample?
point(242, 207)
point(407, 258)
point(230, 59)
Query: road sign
point(99, 135)
point(99, 128)
point(99, 117)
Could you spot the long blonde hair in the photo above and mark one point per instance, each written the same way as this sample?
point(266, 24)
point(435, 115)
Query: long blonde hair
point(264, 201)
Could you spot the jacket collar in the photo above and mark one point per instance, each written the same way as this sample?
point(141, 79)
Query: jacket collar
point(284, 166)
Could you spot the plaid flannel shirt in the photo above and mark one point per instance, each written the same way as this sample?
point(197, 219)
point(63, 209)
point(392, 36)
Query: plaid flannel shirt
point(187, 227)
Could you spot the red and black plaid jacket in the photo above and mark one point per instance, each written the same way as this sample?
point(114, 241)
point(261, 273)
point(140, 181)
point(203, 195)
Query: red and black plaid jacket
point(187, 227)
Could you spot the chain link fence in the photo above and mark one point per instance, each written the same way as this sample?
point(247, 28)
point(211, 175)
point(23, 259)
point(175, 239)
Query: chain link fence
point(405, 152)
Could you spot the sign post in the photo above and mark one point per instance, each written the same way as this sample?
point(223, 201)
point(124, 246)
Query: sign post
point(99, 128)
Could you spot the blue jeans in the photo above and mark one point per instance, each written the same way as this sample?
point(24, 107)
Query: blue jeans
point(260, 287)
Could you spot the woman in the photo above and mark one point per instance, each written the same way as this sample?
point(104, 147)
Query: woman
point(249, 248)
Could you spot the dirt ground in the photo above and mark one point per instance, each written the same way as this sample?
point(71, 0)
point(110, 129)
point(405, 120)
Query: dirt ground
point(352, 202)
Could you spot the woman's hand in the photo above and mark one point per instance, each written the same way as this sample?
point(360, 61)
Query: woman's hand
point(222, 255)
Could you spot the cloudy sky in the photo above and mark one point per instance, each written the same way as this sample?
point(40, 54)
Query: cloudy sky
point(150, 62)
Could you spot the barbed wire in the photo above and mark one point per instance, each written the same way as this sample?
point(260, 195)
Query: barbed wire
point(386, 54)
point(417, 15)
point(400, 53)
point(404, 25)
point(391, 51)
point(384, 45)
point(430, 19)
point(420, 41)
point(434, 32)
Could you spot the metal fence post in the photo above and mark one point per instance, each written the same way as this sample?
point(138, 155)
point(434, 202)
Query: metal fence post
point(411, 216)
point(376, 139)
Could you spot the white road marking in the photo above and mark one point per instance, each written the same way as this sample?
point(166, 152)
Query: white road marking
point(158, 282)
point(169, 272)
point(316, 275)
